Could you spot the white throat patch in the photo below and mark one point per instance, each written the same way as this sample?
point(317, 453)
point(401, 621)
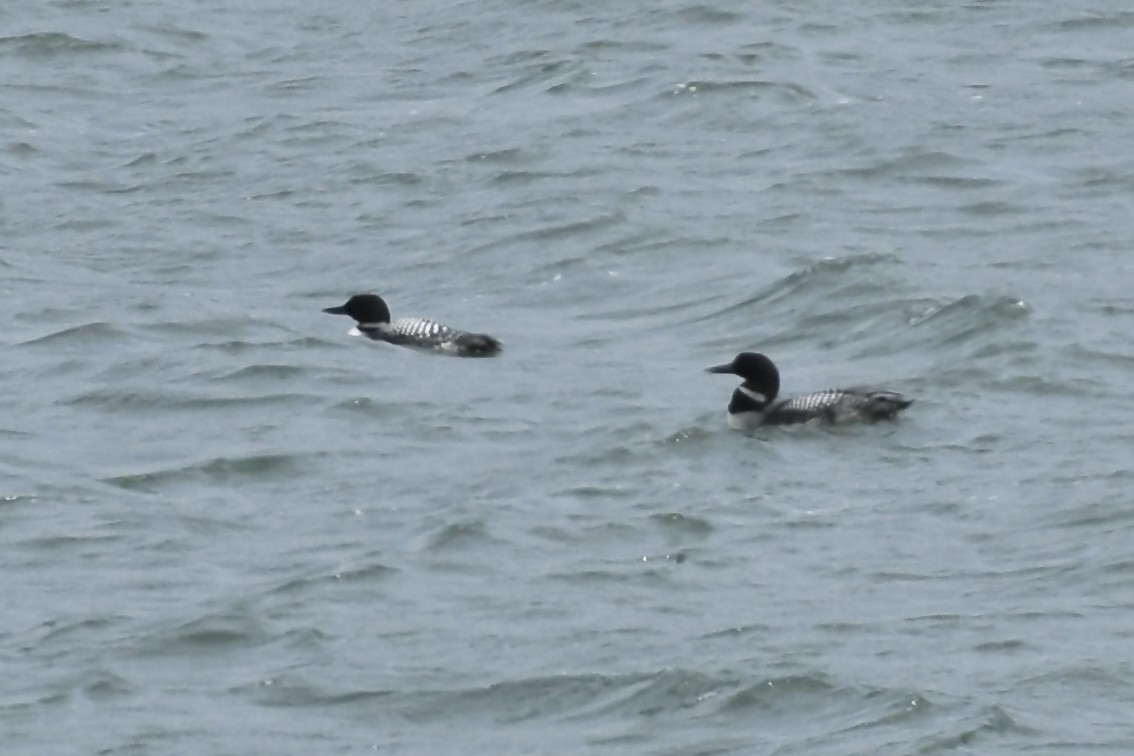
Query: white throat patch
point(754, 395)
point(357, 330)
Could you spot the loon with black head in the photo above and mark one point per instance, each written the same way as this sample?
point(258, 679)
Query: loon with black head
point(373, 318)
point(754, 402)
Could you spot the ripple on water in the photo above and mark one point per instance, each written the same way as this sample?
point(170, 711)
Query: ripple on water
point(217, 632)
point(466, 535)
point(678, 524)
point(223, 471)
point(86, 335)
point(118, 400)
point(833, 279)
point(53, 44)
point(756, 711)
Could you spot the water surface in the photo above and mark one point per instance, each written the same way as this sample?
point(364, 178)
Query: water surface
point(227, 527)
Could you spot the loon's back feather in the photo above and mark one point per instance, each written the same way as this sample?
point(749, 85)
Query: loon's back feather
point(429, 334)
point(419, 329)
point(837, 405)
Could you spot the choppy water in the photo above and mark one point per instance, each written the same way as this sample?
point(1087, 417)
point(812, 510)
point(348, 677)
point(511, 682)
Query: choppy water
point(226, 527)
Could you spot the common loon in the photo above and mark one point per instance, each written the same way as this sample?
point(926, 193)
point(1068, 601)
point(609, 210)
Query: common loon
point(373, 318)
point(754, 401)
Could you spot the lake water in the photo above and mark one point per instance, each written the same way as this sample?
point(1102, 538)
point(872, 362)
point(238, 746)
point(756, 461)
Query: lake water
point(226, 527)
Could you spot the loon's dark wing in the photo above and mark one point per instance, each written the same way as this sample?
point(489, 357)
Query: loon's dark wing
point(881, 405)
point(475, 344)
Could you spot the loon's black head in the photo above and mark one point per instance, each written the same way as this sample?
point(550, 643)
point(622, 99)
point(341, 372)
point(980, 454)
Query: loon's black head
point(759, 373)
point(367, 309)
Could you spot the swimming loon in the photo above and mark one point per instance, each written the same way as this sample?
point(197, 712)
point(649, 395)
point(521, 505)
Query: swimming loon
point(754, 401)
point(373, 318)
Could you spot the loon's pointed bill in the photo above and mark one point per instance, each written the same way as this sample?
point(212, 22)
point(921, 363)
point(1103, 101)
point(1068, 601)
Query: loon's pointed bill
point(754, 401)
point(373, 319)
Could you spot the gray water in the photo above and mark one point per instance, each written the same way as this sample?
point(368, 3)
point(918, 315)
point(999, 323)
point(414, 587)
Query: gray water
point(226, 527)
